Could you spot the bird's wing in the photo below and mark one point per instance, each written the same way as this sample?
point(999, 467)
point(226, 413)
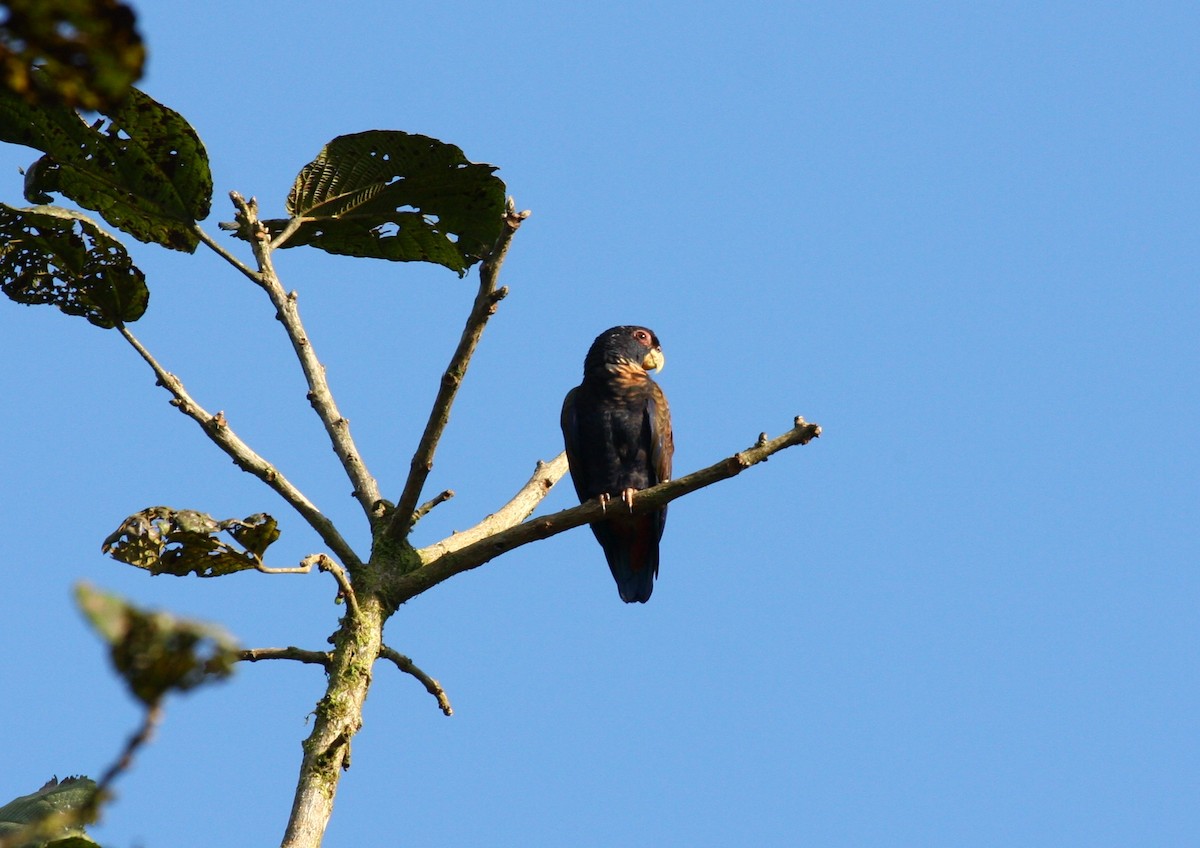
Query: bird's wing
point(662, 440)
point(570, 428)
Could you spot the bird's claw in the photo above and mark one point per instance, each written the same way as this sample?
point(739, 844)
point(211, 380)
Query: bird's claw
point(604, 499)
point(627, 497)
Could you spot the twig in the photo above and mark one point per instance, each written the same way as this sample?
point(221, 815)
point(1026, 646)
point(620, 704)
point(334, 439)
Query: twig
point(484, 306)
point(520, 507)
point(220, 250)
point(424, 509)
point(151, 720)
point(366, 490)
point(323, 563)
point(445, 565)
point(244, 457)
point(321, 658)
point(409, 667)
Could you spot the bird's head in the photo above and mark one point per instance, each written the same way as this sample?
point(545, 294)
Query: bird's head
point(624, 346)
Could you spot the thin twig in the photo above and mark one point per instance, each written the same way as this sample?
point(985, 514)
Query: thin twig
point(481, 310)
point(321, 658)
point(141, 736)
point(409, 667)
point(220, 250)
point(366, 490)
point(446, 565)
point(423, 510)
point(217, 428)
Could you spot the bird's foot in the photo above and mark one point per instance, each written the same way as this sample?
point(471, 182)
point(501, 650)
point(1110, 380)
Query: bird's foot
point(604, 499)
point(627, 497)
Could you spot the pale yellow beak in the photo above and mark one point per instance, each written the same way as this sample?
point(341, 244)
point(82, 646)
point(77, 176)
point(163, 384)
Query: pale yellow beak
point(654, 360)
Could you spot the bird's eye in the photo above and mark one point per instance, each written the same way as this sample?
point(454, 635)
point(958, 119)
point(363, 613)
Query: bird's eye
point(642, 336)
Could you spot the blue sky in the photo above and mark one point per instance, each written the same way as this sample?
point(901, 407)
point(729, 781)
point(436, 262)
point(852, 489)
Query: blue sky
point(962, 237)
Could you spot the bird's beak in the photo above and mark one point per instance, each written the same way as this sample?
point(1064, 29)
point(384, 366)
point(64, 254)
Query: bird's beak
point(654, 360)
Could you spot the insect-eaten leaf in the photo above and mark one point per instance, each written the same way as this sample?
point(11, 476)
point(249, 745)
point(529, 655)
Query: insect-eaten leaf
point(182, 541)
point(87, 52)
point(57, 797)
point(156, 652)
point(62, 258)
point(141, 165)
point(394, 195)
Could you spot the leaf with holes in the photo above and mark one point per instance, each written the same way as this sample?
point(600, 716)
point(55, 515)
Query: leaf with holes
point(62, 258)
point(87, 52)
point(156, 652)
point(394, 195)
point(183, 541)
point(141, 165)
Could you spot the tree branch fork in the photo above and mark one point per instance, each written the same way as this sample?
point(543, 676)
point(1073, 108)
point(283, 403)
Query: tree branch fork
point(395, 572)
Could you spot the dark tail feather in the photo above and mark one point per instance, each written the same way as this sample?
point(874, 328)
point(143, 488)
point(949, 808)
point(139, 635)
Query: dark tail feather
point(632, 559)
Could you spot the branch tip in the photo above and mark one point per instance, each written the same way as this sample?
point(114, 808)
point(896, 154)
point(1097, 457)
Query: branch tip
point(409, 667)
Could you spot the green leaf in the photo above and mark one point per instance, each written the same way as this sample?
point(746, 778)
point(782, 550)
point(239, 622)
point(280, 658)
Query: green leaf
point(182, 542)
point(141, 166)
point(154, 651)
point(392, 195)
point(62, 258)
point(55, 797)
point(87, 52)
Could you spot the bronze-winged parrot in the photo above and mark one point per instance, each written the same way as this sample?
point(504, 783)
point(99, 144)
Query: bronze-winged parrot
point(617, 430)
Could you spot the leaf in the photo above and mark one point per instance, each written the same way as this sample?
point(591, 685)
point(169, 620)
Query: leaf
point(88, 52)
point(155, 652)
point(55, 797)
point(256, 533)
point(141, 166)
point(62, 258)
point(182, 542)
point(393, 195)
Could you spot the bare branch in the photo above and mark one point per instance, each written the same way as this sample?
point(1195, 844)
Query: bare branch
point(424, 509)
point(217, 428)
point(409, 667)
point(446, 565)
point(366, 490)
point(522, 505)
point(484, 306)
point(320, 658)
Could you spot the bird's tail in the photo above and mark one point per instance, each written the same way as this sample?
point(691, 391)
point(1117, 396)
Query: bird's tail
point(632, 554)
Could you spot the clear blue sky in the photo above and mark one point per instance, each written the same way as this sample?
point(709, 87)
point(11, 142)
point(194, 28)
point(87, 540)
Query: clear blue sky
point(962, 237)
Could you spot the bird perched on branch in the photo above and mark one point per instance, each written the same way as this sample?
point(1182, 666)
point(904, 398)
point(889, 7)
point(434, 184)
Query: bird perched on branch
point(617, 430)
